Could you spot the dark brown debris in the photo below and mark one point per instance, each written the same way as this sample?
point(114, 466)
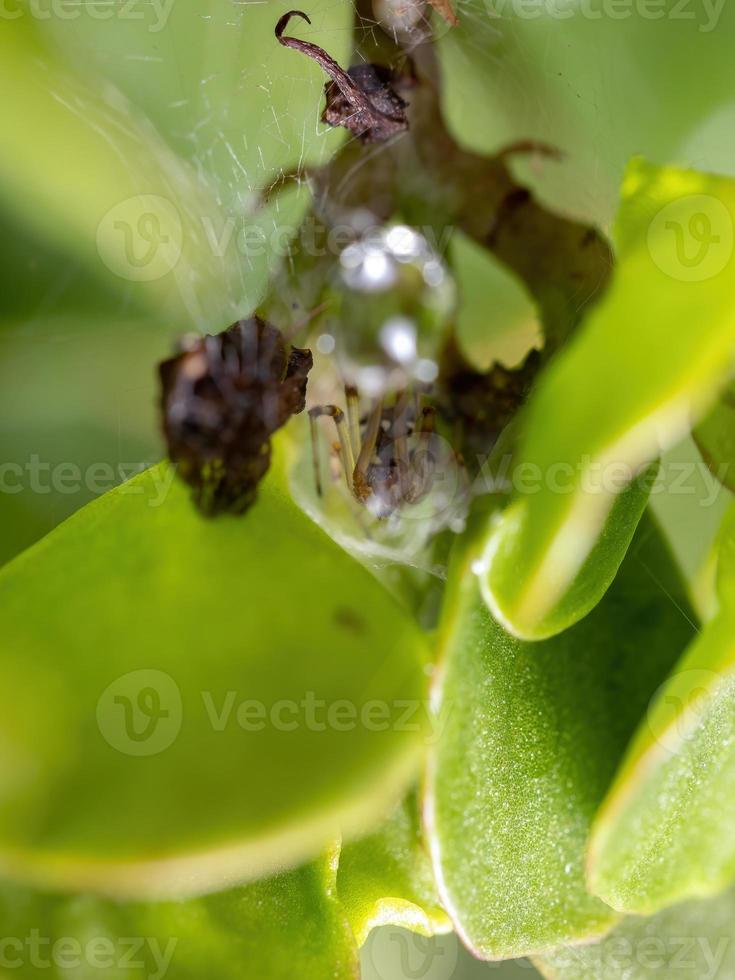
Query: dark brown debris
point(222, 398)
point(480, 404)
point(362, 99)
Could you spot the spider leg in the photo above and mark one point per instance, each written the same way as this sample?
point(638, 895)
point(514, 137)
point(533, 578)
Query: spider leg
point(353, 417)
point(361, 487)
point(348, 459)
point(286, 178)
point(400, 441)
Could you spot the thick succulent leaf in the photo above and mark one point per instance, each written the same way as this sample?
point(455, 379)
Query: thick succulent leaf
point(594, 79)
point(386, 878)
point(90, 174)
point(532, 736)
point(692, 941)
point(601, 413)
point(666, 831)
point(725, 561)
point(691, 503)
point(77, 403)
point(715, 437)
point(187, 703)
point(258, 930)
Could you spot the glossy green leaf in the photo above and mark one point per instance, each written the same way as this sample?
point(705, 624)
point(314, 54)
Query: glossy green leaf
point(259, 930)
point(78, 403)
point(593, 78)
point(85, 170)
point(725, 560)
point(386, 878)
point(692, 941)
point(715, 437)
point(532, 737)
point(666, 831)
point(503, 330)
point(690, 503)
point(187, 703)
point(648, 361)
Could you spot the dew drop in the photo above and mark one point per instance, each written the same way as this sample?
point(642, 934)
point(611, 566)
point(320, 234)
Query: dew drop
point(392, 300)
point(325, 343)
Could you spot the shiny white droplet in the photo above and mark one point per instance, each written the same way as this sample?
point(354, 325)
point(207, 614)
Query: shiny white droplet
point(325, 343)
point(433, 273)
point(371, 381)
point(398, 338)
point(367, 268)
point(404, 243)
point(387, 313)
point(351, 256)
point(426, 371)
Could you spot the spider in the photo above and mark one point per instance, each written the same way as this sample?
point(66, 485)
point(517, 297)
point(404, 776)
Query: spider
point(387, 457)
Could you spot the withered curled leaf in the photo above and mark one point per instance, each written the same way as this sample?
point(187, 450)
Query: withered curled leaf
point(222, 398)
point(446, 11)
point(362, 99)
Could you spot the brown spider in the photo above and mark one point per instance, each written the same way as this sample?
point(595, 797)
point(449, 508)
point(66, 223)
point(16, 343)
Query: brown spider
point(387, 457)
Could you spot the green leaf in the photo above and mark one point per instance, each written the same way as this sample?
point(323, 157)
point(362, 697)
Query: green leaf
point(648, 360)
point(691, 511)
point(532, 736)
point(594, 79)
point(259, 930)
point(725, 560)
point(512, 327)
point(77, 399)
point(87, 172)
point(666, 830)
point(693, 941)
point(199, 701)
point(715, 437)
point(386, 878)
